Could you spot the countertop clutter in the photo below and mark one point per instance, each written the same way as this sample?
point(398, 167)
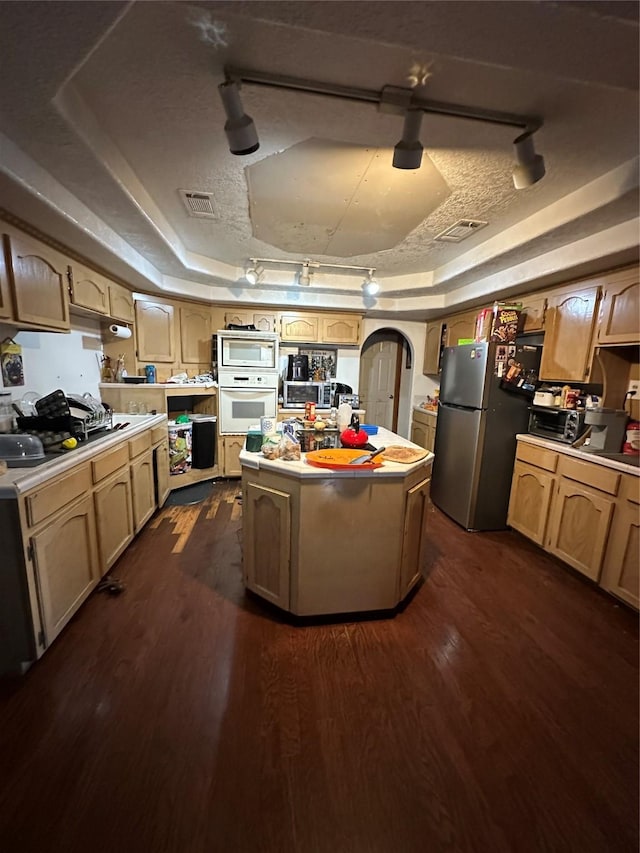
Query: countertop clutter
point(629, 464)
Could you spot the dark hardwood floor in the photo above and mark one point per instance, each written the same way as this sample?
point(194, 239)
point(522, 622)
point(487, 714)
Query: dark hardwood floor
point(498, 712)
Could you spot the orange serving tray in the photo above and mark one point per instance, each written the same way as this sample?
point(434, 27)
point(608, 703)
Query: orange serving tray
point(338, 459)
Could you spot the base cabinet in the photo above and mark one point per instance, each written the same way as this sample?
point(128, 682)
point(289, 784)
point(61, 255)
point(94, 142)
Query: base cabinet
point(114, 517)
point(161, 472)
point(423, 430)
point(65, 555)
point(142, 490)
point(267, 553)
point(531, 493)
point(232, 445)
point(414, 535)
point(621, 570)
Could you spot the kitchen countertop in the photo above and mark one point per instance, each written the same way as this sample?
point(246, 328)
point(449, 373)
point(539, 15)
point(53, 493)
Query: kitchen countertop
point(433, 412)
point(301, 469)
point(577, 453)
point(19, 480)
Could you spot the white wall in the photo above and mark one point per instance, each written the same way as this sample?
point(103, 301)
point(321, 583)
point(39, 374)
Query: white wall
point(51, 360)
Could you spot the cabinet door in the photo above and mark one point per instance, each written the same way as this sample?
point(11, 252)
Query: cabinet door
point(161, 463)
point(238, 318)
point(620, 311)
point(340, 330)
point(6, 304)
point(579, 526)
point(267, 542)
point(299, 328)
point(195, 335)
point(462, 327)
point(414, 535)
point(121, 303)
point(67, 567)
point(533, 313)
point(143, 495)
point(419, 434)
point(114, 517)
point(530, 500)
point(38, 277)
point(265, 321)
point(431, 436)
point(155, 332)
point(232, 445)
point(570, 321)
point(432, 349)
point(89, 289)
point(621, 569)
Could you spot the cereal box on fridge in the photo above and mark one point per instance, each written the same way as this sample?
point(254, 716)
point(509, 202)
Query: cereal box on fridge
point(504, 326)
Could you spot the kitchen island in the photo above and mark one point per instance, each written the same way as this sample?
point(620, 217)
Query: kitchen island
point(319, 541)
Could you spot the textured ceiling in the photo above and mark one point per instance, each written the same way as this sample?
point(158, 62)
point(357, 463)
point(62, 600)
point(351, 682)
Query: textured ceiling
point(114, 108)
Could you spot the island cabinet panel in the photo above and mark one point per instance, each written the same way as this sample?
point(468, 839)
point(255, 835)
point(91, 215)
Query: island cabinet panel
point(89, 289)
point(142, 490)
point(195, 335)
point(569, 330)
point(121, 305)
point(267, 552)
point(114, 517)
point(414, 536)
point(621, 569)
point(38, 276)
point(66, 560)
point(531, 493)
point(155, 333)
point(619, 321)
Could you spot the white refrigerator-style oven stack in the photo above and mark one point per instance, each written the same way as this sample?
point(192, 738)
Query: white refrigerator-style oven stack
point(248, 375)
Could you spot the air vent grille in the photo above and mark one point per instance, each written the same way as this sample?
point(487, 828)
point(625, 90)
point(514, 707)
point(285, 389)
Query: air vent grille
point(460, 230)
point(198, 204)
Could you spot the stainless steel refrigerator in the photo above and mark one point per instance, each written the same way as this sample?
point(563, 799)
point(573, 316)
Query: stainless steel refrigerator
point(478, 419)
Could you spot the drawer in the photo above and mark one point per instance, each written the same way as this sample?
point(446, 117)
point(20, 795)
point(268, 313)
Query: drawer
point(109, 462)
point(158, 433)
point(630, 488)
point(538, 456)
point(43, 502)
point(591, 474)
point(140, 443)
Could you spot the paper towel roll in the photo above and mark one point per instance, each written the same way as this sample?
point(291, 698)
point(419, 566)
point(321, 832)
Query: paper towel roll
point(120, 331)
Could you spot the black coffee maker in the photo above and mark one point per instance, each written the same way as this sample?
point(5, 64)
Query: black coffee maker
point(340, 388)
point(298, 368)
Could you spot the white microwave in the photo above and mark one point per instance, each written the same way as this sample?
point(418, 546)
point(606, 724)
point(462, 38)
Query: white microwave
point(253, 350)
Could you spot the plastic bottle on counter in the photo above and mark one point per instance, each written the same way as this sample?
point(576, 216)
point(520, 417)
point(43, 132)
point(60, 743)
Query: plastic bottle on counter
point(344, 415)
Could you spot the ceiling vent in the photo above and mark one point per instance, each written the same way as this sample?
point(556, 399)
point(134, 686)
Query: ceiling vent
point(460, 230)
point(198, 204)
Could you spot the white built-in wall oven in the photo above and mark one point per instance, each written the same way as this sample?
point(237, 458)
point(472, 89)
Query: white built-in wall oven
point(244, 397)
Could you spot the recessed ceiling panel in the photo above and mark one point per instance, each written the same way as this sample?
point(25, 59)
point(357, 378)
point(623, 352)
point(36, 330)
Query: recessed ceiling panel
point(322, 197)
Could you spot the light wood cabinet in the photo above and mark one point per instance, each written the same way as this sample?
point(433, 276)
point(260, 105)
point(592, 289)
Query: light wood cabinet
point(341, 330)
point(299, 328)
point(155, 333)
point(195, 334)
point(232, 445)
point(569, 329)
point(88, 289)
point(432, 349)
point(414, 535)
point(6, 303)
point(161, 471)
point(66, 561)
point(121, 305)
point(423, 429)
point(143, 495)
point(619, 321)
point(38, 279)
point(533, 313)
point(114, 517)
point(530, 501)
point(621, 569)
point(267, 552)
point(461, 327)
point(264, 321)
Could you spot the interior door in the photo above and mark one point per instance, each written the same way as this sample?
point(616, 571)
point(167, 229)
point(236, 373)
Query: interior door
point(378, 371)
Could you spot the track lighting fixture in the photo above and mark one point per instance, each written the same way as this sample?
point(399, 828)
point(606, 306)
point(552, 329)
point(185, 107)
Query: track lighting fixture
point(530, 167)
point(394, 100)
point(370, 284)
point(408, 152)
point(254, 274)
point(304, 276)
point(239, 127)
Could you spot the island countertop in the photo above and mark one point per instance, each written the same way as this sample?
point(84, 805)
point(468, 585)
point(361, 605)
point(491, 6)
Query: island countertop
point(303, 470)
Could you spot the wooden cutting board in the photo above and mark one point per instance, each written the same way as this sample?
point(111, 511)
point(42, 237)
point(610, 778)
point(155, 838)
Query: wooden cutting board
point(400, 453)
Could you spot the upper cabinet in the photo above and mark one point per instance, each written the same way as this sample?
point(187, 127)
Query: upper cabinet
point(195, 334)
point(6, 303)
point(37, 277)
point(461, 327)
point(533, 313)
point(121, 303)
point(300, 328)
point(433, 348)
point(155, 334)
point(88, 289)
point(619, 321)
point(569, 328)
point(340, 329)
point(264, 321)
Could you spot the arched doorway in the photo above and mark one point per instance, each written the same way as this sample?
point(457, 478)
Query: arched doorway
point(385, 379)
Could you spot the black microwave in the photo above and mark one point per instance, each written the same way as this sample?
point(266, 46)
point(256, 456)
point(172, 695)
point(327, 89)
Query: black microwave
point(295, 395)
point(566, 425)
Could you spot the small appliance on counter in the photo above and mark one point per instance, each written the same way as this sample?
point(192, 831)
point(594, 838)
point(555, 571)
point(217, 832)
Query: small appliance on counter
point(607, 429)
point(298, 368)
point(338, 388)
point(631, 447)
point(565, 425)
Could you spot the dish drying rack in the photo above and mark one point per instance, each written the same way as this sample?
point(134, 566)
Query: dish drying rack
point(55, 417)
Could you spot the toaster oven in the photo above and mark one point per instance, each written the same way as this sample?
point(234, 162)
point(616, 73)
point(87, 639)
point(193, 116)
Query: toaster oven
point(566, 425)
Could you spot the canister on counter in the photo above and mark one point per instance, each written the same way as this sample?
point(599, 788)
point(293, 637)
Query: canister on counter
point(267, 425)
point(150, 373)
